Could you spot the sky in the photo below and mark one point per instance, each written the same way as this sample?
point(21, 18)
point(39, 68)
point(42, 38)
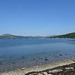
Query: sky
point(37, 17)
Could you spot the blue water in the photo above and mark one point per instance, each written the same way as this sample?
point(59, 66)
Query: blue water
point(18, 53)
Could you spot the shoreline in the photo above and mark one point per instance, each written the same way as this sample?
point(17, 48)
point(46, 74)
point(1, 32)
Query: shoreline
point(41, 68)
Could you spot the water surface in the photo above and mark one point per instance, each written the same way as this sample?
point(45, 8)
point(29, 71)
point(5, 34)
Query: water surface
point(18, 53)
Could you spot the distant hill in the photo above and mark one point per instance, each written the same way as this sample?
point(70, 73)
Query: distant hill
point(69, 35)
point(10, 36)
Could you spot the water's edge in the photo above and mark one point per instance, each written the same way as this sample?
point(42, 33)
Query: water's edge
point(24, 71)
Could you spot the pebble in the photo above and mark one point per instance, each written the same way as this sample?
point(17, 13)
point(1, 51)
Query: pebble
point(45, 73)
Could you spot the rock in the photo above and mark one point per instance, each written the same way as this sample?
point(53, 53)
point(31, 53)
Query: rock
point(55, 70)
point(60, 54)
point(22, 68)
point(46, 59)
point(33, 58)
point(68, 68)
point(45, 73)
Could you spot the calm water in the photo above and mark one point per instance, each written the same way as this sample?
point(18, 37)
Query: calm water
point(18, 53)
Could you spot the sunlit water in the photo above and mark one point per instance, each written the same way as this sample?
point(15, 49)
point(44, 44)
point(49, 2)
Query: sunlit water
point(18, 53)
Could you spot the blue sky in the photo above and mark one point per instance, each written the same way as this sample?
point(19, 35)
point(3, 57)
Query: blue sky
point(37, 17)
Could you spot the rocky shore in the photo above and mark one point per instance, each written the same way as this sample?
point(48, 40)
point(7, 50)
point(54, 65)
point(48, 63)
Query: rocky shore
point(61, 70)
point(66, 67)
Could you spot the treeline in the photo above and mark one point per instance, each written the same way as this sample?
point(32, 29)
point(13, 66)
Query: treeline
point(70, 35)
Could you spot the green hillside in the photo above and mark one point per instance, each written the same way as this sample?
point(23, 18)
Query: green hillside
point(69, 35)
